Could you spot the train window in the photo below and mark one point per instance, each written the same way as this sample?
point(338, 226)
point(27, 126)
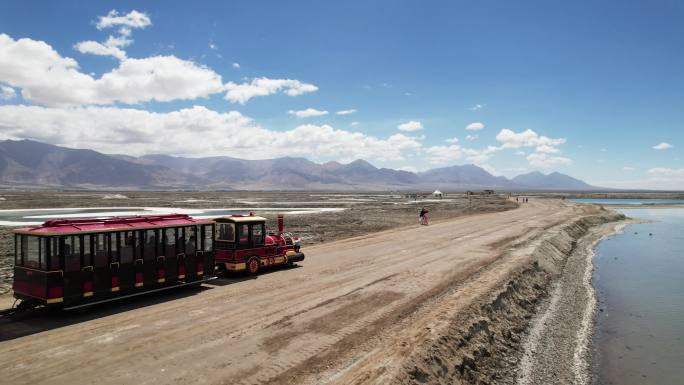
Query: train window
point(170, 242)
point(180, 240)
point(17, 250)
point(208, 238)
point(72, 253)
point(243, 234)
point(150, 245)
point(87, 250)
point(113, 247)
point(32, 256)
point(53, 253)
point(190, 240)
point(126, 250)
point(139, 244)
point(258, 234)
point(225, 232)
point(24, 249)
point(101, 257)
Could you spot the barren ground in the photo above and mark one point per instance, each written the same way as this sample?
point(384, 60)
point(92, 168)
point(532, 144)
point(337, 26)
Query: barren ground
point(446, 303)
point(363, 213)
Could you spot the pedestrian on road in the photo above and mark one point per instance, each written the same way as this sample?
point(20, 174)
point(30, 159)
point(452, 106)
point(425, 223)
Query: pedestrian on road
point(423, 216)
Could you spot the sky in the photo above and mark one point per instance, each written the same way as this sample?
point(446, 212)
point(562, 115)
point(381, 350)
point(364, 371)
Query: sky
point(591, 89)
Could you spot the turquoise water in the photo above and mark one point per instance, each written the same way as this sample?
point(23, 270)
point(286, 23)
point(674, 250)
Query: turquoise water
point(639, 280)
point(631, 202)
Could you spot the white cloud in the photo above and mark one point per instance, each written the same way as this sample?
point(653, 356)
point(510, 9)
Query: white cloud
point(452, 140)
point(345, 112)
point(527, 138)
point(309, 112)
point(236, 65)
point(47, 78)
point(444, 154)
point(627, 168)
point(213, 46)
point(475, 126)
point(119, 41)
point(410, 126)
point(544, 148)
point(667, 172)
point(546, 161)
point(241, 93)
point(480, 157)
point(521, 153)
point(133, 19)
point(477, 107)
point(354, 124)
point(137, 132)
point(95, 48)
point(471, 137)
point(7, 93)
point(662, 146)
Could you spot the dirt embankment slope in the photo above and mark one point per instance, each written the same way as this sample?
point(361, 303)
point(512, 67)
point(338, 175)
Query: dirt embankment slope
point(446, 303)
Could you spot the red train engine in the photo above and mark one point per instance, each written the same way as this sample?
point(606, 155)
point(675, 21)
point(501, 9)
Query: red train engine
point(242, 244)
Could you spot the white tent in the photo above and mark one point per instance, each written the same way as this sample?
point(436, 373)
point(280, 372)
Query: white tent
point(437, 194)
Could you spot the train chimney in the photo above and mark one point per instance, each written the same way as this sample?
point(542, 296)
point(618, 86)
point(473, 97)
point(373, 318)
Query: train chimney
point(281, 223)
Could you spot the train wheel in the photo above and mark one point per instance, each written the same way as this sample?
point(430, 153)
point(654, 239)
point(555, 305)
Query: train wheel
point(253, 266)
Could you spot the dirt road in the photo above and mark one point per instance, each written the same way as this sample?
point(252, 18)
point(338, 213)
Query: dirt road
point(350, 313)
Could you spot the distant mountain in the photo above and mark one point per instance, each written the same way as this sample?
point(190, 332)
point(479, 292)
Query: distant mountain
point(468, 175)
point(32, 164)
point(553, 181)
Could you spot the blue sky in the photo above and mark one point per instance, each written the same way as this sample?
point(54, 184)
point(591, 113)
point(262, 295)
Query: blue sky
point(598, 84)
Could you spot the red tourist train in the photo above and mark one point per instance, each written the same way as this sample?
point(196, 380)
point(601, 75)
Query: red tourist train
point(72, 263)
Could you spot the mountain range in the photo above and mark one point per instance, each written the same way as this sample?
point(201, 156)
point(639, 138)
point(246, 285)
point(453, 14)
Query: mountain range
point(31, 164)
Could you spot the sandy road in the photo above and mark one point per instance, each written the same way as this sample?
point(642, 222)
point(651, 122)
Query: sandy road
point(322, 322)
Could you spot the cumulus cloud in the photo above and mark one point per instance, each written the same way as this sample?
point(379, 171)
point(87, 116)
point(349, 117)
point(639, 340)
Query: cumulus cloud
point(236, 65)
point(7, 93)
point(662, 146)
point(667, 172)
point(475, 126)
point(95, 48)
point(345, 112)
point(136, 132)
point(527, 138)
point(471, 137)
point(444, 154)
point(133, 19)
point(114, 44)
point(452, 140)
point(410, 126)
point(47, 78)
point(241, 93)
point(544, 148)
point(477, 107)
point(309, 112)
point(541, 160)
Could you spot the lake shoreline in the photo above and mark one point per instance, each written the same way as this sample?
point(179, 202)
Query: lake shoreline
point(558, 347)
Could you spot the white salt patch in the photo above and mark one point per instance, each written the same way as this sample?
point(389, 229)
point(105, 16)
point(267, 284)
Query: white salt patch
point(115, 196)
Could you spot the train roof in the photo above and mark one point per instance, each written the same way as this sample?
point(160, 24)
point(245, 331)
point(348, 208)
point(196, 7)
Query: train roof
point(109, 224)
point(240, 219)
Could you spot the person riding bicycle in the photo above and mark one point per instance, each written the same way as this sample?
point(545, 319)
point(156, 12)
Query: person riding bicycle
point(423, 216)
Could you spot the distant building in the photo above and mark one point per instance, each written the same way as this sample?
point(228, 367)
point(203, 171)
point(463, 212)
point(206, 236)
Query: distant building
point(438, 194)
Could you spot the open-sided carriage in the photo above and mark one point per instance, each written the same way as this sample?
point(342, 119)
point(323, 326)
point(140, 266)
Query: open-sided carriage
point(69, 263)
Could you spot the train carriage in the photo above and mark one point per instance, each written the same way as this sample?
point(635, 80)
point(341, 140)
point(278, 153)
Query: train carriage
point(71, 262)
